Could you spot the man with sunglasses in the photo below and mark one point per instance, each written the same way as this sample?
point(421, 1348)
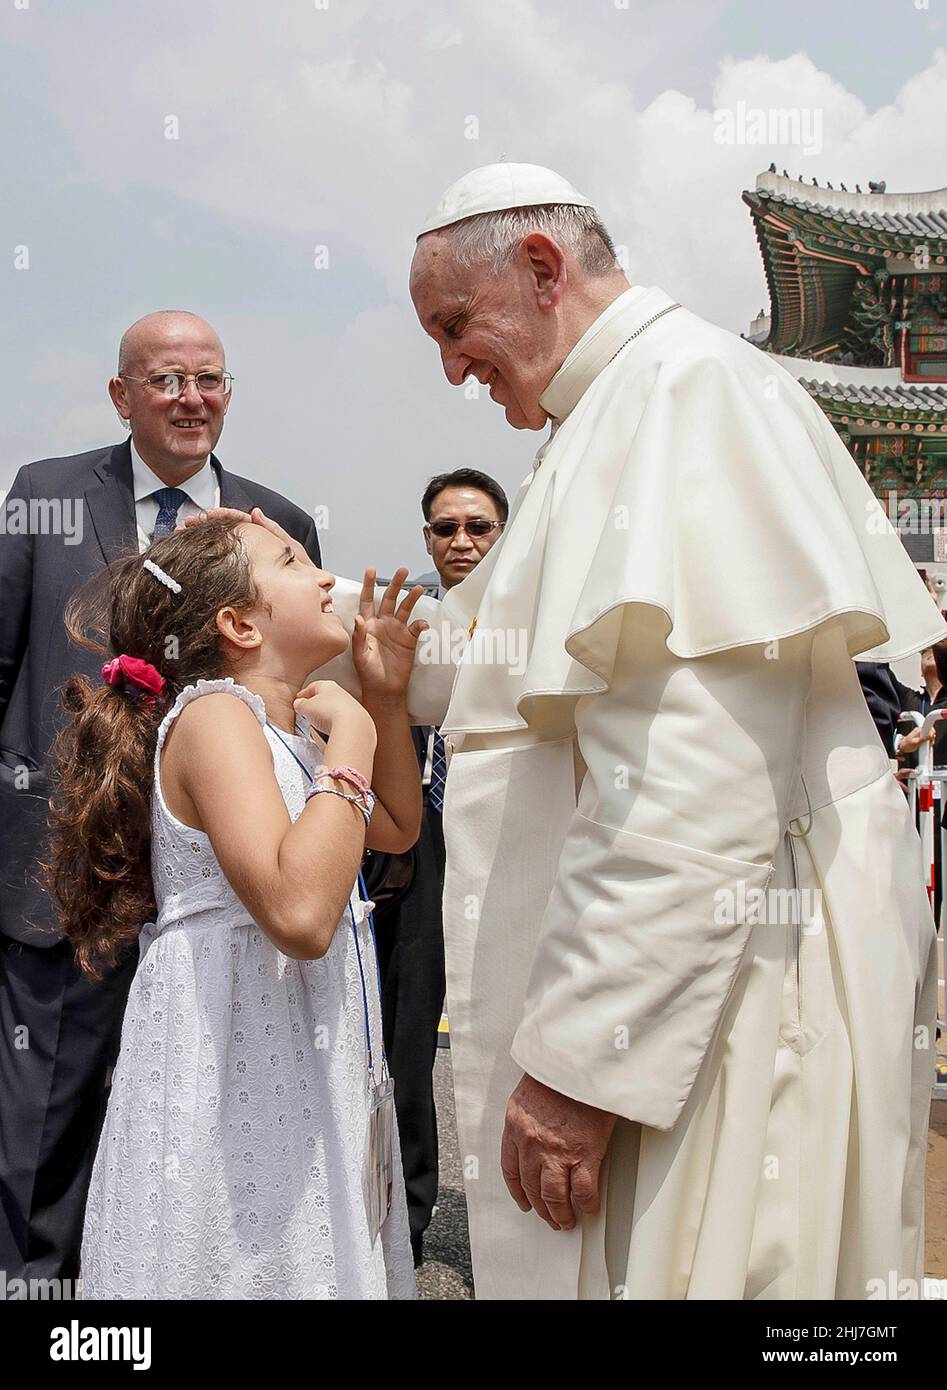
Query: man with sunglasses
point(464, 515)
point(59, 1033)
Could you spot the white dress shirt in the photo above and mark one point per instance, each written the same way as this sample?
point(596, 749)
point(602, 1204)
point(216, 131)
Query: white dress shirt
point(202, 488)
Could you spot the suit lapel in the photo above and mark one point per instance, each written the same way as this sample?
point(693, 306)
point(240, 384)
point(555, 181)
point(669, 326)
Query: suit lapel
point(232, 491)
point(110, 503)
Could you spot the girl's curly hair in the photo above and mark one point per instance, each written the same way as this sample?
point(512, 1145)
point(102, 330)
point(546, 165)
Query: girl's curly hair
point(98, 872)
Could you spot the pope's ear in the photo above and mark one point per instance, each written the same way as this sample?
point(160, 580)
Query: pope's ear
point(237, 629)
point(547, 267)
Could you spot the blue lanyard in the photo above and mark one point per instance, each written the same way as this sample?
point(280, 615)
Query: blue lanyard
point(371, 926)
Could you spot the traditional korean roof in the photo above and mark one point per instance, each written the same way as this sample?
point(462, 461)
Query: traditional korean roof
point(910, 215)
point(914, 400)
point(816, 243)
point(874, 403)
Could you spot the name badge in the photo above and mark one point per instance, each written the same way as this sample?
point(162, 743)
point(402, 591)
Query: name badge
point(379, 1175)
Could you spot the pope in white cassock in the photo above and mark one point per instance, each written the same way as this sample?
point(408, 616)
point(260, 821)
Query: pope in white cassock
point(670, 1083)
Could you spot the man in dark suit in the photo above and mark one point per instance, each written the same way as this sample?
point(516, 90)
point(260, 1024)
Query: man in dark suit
point(62, 521)
point(883, 699)
point(464, 514)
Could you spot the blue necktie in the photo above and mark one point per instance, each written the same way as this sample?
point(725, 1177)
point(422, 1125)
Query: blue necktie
point(435, 793)
point(169, 500)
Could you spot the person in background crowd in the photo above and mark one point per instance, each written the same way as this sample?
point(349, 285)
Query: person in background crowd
point(923, 701)
point(919, 700)
point(932, 696)
point(171, 390)
point(909, 738)
point(464, 515)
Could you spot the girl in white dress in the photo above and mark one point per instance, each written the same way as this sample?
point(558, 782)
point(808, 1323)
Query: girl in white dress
point(244, 1148)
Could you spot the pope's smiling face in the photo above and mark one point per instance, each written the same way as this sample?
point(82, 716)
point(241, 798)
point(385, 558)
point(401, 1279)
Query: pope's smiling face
point(499, 326)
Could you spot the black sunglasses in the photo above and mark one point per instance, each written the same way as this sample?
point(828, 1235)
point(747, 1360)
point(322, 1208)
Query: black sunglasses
point(477, 527)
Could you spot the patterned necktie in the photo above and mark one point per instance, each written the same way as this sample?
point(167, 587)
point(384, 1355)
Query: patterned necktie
point(169, 500)
point(435, 795)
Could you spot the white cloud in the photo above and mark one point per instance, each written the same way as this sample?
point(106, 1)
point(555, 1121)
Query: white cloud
point(314, 137)
point(342, 127)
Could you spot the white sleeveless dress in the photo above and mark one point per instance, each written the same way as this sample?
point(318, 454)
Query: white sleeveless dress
point(231, 1159)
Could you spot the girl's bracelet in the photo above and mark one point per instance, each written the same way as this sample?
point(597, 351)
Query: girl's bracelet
point(364, 801)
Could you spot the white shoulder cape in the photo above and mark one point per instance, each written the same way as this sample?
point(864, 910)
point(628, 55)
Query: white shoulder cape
point(691, 473)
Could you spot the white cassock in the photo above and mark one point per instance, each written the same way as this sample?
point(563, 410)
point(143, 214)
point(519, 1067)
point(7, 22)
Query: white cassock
point(692, 564)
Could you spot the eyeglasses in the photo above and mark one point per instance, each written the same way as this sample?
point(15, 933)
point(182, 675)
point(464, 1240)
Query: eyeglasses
point(174, 384)
point(477, 527)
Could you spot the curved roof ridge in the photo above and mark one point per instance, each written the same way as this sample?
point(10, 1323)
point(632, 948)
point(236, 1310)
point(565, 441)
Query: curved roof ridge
point(837, 201)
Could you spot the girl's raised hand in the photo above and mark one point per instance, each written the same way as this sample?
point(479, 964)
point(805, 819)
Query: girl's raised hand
point(384, 643)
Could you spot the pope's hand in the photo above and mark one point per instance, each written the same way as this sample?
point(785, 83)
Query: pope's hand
point(214, 514)
point(384, 643)
point(259, 518)
point(552, 1152)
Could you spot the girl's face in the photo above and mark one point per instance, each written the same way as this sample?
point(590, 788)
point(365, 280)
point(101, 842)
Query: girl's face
point(303, 627)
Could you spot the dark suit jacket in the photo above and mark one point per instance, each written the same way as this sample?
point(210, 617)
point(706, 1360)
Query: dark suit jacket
point(882, 698)
point(38, 573)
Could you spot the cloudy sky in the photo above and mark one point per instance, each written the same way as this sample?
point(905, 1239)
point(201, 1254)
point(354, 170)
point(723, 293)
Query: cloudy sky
point(337, 123)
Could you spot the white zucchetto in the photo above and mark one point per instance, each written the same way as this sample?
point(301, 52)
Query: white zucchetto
point(496, 187)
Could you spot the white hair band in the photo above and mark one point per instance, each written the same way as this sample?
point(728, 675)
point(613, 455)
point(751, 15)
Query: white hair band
point(159, 573)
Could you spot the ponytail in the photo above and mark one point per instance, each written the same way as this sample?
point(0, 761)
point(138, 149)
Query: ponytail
point(99, 872)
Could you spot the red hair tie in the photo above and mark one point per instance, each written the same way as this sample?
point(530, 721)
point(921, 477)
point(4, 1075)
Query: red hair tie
point(122, 669)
